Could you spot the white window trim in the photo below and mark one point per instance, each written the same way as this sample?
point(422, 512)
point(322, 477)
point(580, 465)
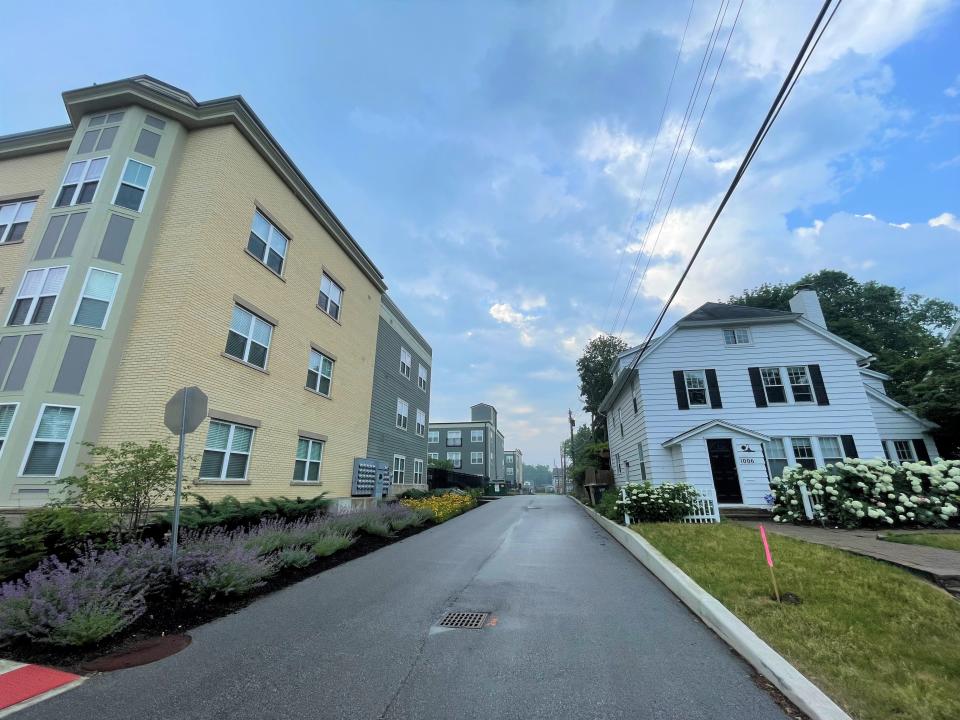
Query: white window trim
point(788, 387)
point(421, 426)
point(459, 434)
point(36, 298)
point(701, 375)
point(80, 183)
point(406, 361)
point(433, 456)
point(326, 310)
point(320, 374)
point(16, 408)
point(121, 183)
point(249, 338)
point(113, 296)
point(422, 377)
point(228, 451)
point(418, 471)
point(747, 342)
point(458, 460)
point(399, 474)
point(473, 436)
point(791, 458)
point(33, 438)
point(892, 450)
point(431, 434)
point(473, 456)
point(271, 230)
point(311, 442)
point(16, 204)
point(405, 415)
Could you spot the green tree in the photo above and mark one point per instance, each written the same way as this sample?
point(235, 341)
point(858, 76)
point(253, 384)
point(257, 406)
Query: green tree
point(595, 379)
point(440, 464)
point(537, 475)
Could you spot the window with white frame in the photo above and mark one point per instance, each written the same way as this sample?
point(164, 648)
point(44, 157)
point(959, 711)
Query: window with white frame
point(476, 436)
point(476, 458)
point(831, 451)
point(509, 471)
point(306, 467)
point(773, 385)
point(433, 455)
point(454, 457)
point(37, 296)
point(319, 373)
point(418, 471)
point(81, 181)
point(508, 459)
point(904, 451)
point(421, 422)
point(403, 412)
point(226, 454)
point(800, 383)
point(405, 362)
point(249, 337)
point(96, 298)
point(433, 437)
point(331, 297)
point(422, 377)
point(777, 460)
point(696, 384)
point(454, 438)
point(803, 452)
point(14, 218)
point(736, 336)
point(133, 185)
point(399, 469)
point(7, 413)
point(51, 435)
point(642, 462)
point(267, 243)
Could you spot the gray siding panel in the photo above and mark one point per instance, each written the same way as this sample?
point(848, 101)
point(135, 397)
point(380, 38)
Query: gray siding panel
point(50, 236)
point(115, 238)
point(73, 368)
point(69, 238)
point(21, 365)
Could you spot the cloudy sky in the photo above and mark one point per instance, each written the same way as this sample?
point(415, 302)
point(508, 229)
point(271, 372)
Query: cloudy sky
point(500, 161)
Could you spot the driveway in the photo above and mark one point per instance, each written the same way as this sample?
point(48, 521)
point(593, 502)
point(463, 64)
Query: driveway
point(581, 631)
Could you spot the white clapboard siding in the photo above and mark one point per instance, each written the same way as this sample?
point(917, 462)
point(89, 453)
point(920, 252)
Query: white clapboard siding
point(894, 425)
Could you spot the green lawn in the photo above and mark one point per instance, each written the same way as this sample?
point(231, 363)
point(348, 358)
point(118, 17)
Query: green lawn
point(883, 644)
point(948, 541)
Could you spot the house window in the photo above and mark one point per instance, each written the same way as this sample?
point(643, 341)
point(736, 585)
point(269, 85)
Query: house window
point(620, 420)
point(399, 469)
point(454, 457)
point(14, 218)
point(405, 361)
point(433, 437)
point(830, 450)
point(736, 336)
point(306, 468)
point(619, 467)
point(80, 184)
point(776, 457)
point(421, 422)
point(422, 377)
point(642, 462)
point(227, 452)
point(7, 413)
point(418, 471)
point(97, 140)
point(454, 439)
point(50, 437)
point(97, 297)
point(476, 458)
point(320, 373)
point(37, 296)
point(635, 409)
point(800, 383)
point(403, 412)
point(773, 385)
point(331, 297)
point(476, 436)
point(803, 452)
point(133, 185)
point(267, 243)
point(696, 383)
point(904, 451)
point(249, 337)
point(433, 456)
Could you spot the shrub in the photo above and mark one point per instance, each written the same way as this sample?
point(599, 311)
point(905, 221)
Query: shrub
point(443, 507)
point(667, 502)
point(401, 517)
point(210, 568)
point(295, 557)
point(608, 506)
point(414, 494)
point(231, 513)
point(375, 523)
point(331, 542)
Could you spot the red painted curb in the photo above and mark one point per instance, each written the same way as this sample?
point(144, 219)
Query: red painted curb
point(29, 681)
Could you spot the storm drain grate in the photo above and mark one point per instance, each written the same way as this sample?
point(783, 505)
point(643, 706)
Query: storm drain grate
point(465, 620)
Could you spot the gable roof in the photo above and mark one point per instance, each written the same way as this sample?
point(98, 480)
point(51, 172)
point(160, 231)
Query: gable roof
point(709, 426)
point(889, 401)
point(614, 392)
point(713, 311)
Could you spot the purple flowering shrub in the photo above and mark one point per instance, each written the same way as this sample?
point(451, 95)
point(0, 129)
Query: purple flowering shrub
point(295, 557)
point(217, 564)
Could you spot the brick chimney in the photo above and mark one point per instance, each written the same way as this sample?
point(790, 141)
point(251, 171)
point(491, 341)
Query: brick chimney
point(807, 304)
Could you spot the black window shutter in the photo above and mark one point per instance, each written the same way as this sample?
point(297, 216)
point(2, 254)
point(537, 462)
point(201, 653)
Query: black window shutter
point(713, 388)
point(819, 389)
point(757, 385)
point(849, 446)
point(920, 448)
point(681, 387)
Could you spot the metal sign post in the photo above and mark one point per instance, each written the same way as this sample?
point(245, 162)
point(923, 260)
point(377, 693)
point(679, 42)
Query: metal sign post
point(183, 414)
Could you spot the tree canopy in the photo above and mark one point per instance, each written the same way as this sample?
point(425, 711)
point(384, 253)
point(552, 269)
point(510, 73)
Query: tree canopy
point(595, 379)
point(537, 475)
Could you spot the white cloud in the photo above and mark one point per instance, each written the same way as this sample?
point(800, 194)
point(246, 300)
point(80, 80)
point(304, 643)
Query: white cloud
point(551, 375)
point(902, 226)
point(503, 312)
point(866, 216)
point(947, 220)
point(953, 90)
point(950, 162)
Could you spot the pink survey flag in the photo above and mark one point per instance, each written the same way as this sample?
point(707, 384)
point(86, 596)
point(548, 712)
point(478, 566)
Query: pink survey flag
point(766, 546)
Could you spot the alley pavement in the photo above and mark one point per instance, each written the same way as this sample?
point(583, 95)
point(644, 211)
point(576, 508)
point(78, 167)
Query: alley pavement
point(577, 629)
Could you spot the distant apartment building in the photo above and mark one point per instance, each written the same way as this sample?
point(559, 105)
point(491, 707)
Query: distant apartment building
point(401, 399)
point(157, 242)
point(474, 447)
point(513, 467)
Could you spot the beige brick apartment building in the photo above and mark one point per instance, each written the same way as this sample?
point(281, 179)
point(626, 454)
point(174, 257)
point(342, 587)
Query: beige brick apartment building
point(158, 242)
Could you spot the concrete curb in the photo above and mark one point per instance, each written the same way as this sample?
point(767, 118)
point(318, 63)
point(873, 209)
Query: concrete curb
point(773, 666)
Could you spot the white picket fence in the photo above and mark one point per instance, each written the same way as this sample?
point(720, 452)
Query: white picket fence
point(707, 509)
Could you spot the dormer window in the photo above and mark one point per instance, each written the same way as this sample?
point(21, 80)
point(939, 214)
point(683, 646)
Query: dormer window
point(736, 336)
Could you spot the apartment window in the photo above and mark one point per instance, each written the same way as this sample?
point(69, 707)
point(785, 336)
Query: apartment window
point(773, 385)
point(96, 299)
point(320, 373)
point(642, 462)
point(37, 296)
point(696, 384)
point(227, 452)
point(803, 452)
point(267, 244)
point(306, 468)
point(50, 438)
point(403, 411)
point(422, 377)
point(736, 336)
point(454, 457)
point(509, 471)
point(433, 456)
point(331, 297)
point(133, 185)
point(830, 450)
point(454, 438)
point(421, 422)
point(418, 471)
point(777, 459)
point(433, 437)
point(476, 458)
point(405, 361)
point(249, 337)
point(80, 184)
point(14, 218)
point(7, 413)
point(476, 436)
point(98, 140)
point(904, 451)
point(113, 117)
point(508, 459)
point(800, 383)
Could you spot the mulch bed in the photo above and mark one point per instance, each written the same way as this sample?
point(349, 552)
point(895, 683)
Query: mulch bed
point(170, 614)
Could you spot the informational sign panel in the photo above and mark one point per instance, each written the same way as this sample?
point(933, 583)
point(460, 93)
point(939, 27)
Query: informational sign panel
point(368, 475)
point(185, 410)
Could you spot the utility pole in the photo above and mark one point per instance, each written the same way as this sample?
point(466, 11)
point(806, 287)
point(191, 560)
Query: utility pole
point(573, 457)
point(563, 470)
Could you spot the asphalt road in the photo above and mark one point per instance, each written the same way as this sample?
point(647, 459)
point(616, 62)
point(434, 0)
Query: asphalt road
point(582, 631)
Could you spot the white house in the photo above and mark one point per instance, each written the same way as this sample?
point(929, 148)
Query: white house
point(730, 395)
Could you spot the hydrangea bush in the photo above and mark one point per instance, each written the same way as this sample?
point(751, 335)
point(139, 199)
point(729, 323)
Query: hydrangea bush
point(871, 493)
point(667, 502)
